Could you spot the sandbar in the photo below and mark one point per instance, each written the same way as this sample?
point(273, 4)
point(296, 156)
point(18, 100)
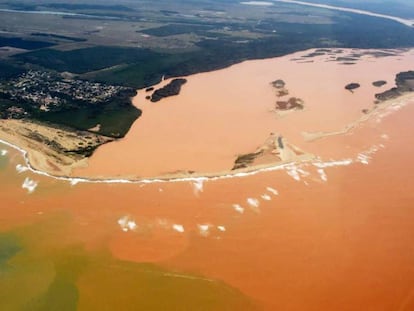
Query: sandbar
point(226, 115)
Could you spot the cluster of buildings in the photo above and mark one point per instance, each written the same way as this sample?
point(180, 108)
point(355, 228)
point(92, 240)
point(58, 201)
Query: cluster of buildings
point(48, 91)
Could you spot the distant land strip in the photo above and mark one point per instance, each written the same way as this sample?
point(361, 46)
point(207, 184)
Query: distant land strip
point(406, 22)
point(65, 14)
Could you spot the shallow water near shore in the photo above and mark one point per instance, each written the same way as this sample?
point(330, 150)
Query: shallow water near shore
point(336, 232)
point(225, 113)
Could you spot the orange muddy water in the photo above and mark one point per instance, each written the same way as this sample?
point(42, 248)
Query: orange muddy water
point(334, 233)
point(219, 115)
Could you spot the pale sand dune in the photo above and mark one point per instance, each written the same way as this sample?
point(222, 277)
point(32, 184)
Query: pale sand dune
point(49, 149)
point(222, 114)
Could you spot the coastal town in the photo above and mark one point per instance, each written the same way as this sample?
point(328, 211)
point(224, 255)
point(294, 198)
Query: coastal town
point(44, 91)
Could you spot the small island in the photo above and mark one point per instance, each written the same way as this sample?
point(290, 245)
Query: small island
point(352, 86)
point(171, 89)
point(292, 103)
point(279, 85)
point(379, 83)
point(405, 84)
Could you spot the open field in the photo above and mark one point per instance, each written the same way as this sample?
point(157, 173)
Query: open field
point(181, 38)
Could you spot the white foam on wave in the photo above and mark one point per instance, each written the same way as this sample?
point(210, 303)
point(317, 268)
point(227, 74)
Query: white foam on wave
point(238, 208)
point(302, 172)
point(266, 197)
point(131, 225)
point(198, 185)
point(322, 174)
point(363, 158)
point(204, 229)
point(178, 228)
point(344, 162)
point(221, 228)
point(75, 181)
point(30, 185)
point(127, 223)
point(253, 202)
point(3, 152)
point(21, 168)
point(293, 172)
point(272, 190)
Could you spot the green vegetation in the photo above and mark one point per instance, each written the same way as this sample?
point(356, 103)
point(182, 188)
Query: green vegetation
point(88, 59)
point(171, 89)
point(352, 86)
point(53, 36)
point(78, 104)
point(177, 29)
point(379, 83)
point(80, 6)
point(115, 117)
point(9, 71)
point(24, 44)
point(138, 67)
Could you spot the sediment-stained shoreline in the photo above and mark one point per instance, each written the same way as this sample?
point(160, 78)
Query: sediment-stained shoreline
point(78, 171)
point(241, 172)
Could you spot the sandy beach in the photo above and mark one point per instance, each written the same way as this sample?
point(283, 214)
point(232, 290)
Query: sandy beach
point(49, 149)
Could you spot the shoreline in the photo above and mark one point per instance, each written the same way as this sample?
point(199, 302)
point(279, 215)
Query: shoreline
point(242, 172)
point(401, 100)
point(157, 179)
point(43, 159)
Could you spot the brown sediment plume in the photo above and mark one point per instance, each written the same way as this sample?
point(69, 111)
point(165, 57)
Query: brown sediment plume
point(225, 113)
point(348, 228)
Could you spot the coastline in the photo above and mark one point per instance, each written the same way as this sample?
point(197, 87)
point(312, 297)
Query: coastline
point(41, 156)
point(54, 150)
point(193, 177)
point(401, 100)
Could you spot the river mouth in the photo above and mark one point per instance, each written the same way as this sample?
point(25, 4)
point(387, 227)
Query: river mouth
point(320, 229)
point(222, 116)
